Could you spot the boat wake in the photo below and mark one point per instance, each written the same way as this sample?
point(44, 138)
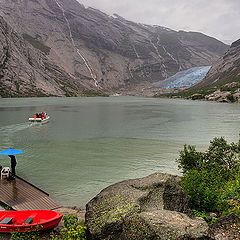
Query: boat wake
point(7, 133)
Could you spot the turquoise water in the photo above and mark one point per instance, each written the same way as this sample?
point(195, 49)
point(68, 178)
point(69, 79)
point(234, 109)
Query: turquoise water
point(90, 143)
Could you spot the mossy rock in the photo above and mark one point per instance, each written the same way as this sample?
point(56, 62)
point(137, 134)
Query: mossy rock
point(108, 214)
point(164, 225)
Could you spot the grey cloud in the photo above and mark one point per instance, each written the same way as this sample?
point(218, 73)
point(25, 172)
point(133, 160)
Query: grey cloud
point(217, 18)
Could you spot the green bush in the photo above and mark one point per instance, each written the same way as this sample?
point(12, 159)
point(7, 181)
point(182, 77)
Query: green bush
point(203, 189)
point(212, 179)
point(200, 214)
point(220, 156)
point(189, 159)
point(30, 235)
point(74, 229)
point(231, 195)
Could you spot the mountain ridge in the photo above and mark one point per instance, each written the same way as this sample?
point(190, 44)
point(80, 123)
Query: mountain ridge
point(101, 53)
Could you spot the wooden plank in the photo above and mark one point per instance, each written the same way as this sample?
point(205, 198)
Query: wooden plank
point(22, 195)
point(32, 185)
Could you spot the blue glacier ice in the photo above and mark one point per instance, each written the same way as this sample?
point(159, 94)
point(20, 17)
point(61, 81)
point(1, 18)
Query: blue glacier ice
point(184, 78)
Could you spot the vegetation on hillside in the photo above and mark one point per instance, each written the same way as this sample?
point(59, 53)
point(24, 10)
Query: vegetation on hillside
point(211, 179)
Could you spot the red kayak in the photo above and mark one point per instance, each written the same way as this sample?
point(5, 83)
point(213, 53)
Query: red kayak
point(29, 220)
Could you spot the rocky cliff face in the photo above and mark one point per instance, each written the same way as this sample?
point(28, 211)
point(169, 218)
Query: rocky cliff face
point(226, 68)
point(74, 49)
point(26, 71)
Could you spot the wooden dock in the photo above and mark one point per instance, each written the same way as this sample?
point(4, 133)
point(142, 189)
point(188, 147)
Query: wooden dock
point(22, 195)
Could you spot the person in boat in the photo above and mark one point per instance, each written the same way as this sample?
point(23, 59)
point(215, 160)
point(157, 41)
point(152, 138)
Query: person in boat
point(35, 116)
point(13, 166)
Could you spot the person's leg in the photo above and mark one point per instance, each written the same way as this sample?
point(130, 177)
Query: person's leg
point(13, 171)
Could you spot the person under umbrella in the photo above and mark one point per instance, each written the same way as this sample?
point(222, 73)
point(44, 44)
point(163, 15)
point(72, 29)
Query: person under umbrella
point(13, 166)
point(11, 152)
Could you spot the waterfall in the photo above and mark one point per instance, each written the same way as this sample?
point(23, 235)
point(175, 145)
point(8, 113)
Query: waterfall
point(74, 45)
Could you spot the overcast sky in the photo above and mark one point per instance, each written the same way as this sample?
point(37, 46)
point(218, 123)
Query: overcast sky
point(216, 18)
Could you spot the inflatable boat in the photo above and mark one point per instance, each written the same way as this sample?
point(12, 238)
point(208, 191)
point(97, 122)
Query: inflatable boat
point(39, 120)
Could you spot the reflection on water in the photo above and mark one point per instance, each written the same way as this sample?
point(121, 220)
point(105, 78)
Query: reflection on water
point(90, 143)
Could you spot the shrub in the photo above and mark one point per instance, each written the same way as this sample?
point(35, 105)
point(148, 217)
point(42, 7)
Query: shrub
point(212, 179)
point(203, 189)
point(31, 235)
point(74, 229)
point(223, 156)
point(200, 214)
point(220, 156)
point(189, 159)
point(231, 195)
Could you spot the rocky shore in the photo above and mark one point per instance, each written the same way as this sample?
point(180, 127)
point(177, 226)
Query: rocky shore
point(152, 207)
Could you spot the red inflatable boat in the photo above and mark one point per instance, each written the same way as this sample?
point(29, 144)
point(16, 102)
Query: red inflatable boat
point(29, 220)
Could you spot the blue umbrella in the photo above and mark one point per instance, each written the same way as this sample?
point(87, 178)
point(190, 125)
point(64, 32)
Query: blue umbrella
point(11, 151)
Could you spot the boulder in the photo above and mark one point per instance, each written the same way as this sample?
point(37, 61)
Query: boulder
point(164, 225)
point(153, 207)
point(226, 220)
point(226, 227)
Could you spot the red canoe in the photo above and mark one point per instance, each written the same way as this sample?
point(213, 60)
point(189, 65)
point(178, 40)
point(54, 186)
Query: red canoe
point(29, 220)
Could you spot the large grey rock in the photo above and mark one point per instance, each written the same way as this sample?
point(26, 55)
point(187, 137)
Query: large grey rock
point(226, 220)
point(226, 227)
point(164, 225)
point(148, 208)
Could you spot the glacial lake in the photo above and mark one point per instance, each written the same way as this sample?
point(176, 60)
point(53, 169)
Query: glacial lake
point(90, 143)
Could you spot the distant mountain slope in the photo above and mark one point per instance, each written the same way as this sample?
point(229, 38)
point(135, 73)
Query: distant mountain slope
point(226, 68)
point(222, 83)
point(94, 51)
point(26, 71)
point(184, 78)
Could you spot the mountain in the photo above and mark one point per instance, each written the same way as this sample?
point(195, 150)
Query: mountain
point(61, 48)
point(184, 78)
point(222, 83)
point(26, 71)
point(226, 68)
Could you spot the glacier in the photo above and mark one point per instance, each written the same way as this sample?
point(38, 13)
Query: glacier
point(184, 78)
